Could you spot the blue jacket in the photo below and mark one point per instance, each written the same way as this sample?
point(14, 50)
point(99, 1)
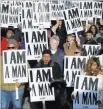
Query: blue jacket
point(61, 58)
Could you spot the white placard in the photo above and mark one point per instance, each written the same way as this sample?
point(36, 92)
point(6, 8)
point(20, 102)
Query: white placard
point(86, 10)
point(92, 49)
point(73, 65)
point(86, 92)
point(15, 66)
point(97, 9)
point(57, 11)
point(36, 42)
point(40, 85)
point(4, 13)
point(72, 20)
point(27, 15)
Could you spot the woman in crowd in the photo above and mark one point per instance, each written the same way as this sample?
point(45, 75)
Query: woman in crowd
point(60, 30)
point(93, 68)
point(94, 30)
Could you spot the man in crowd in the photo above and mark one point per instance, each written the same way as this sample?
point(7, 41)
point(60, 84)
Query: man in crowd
point(8, 92)
point(89, 38)
point(46, 61)
point(9, 35)
point(57, 53)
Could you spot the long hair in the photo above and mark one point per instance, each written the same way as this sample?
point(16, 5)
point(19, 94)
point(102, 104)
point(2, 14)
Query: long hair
point(74, 39)
point(88, 69)
point(96, 30)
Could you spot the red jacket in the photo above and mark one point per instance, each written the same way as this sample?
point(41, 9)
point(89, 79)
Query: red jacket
point(4, 44)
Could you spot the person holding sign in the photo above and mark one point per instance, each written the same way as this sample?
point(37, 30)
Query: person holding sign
point(93, 68)
point(70, 46)
point(47, 62)
point(8, 92)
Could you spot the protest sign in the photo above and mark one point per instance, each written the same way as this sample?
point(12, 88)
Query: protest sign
point(86, 10)
point(67, 3)
point(57, 11)
point(40, 85)
point(86, 92)
point(97, 9)
point(72, 20)
point(36, 42)
point(27, 15)
point(92, 49)
point(14, 13)
point(15, 66)
point(43, 9)
point(4, 13)
point(73, 66)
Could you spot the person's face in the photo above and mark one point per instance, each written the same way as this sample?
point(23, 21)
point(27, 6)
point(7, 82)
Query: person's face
point(89, 36)
point(9, 34)
point(94, 66)
point(11, 47)
point(46, 58)
point(77, 52)
point(54, 44)
point(60, 22)
point(93, 29)
point(70, 39)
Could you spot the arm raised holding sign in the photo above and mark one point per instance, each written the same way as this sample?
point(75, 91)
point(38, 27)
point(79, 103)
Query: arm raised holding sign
point(60, 30)
point(55, 27)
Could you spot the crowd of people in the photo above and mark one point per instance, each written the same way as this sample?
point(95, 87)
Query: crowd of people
point(60, 44)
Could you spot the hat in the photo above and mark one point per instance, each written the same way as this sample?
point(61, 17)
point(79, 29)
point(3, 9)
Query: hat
point(101, 27)
point(46, 52)
point(12, 41)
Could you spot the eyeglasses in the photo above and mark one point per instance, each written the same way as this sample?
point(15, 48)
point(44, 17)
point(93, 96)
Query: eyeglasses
point(76, 52)
point(11, 47)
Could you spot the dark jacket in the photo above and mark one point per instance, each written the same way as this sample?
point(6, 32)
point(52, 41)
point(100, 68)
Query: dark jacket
point(59, 94)
point(91, 42)
point(61, 55)
point(61, 32)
